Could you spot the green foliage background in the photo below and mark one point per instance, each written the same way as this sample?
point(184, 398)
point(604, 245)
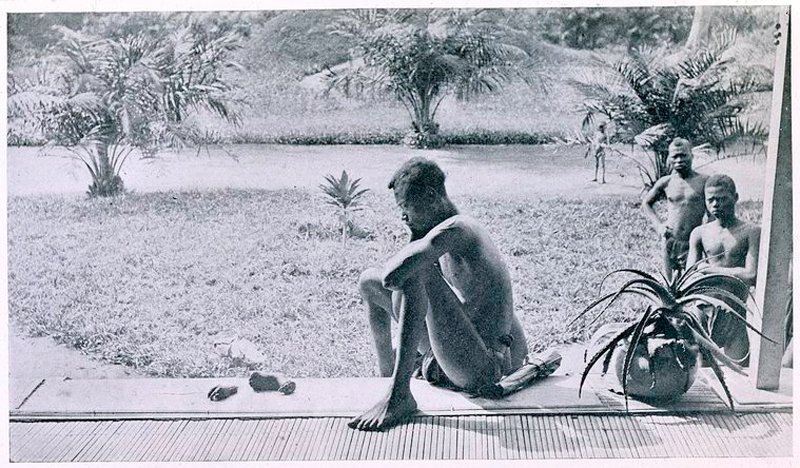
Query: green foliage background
point(282, 49)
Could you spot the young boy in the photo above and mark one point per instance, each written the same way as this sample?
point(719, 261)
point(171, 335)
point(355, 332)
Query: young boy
point(731, 247)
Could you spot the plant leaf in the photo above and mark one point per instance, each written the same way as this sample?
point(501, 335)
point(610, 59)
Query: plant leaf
point(705, 342)
point(608, 348)
point(718, 372)
point(636, 336)
point(727, 308)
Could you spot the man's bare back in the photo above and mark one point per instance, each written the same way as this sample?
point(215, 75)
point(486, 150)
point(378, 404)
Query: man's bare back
point(451, 293)
point(466, 259)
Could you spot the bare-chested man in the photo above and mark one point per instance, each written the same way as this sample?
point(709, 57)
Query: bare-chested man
point(450, 291)
point(598, 146)
point(683, 189)
point(731, 247)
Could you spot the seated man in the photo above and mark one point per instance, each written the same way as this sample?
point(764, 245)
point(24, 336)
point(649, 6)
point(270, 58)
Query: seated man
point(451, 294)
point(731, 247)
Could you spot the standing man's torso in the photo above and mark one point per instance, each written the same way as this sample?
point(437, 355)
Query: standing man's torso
point(685, 204)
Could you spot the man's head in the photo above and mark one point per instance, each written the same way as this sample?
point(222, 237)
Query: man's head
point(419, 191)
point(680, 155)
point(721, 197)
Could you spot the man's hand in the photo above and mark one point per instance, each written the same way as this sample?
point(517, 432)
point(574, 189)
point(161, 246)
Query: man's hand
point(664, 231)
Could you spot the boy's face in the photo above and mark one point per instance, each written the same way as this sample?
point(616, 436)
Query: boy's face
point(721, 202)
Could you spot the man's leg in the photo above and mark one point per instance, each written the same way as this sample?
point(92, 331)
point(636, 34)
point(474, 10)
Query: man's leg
point(399, 403)
point(379, 308)
point(730, 334)
point(459, 349)
point(603, 166)
point(666, 249)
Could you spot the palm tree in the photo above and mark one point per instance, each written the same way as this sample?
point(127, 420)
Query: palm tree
point(105, 97)
point(421, 56)
point(652, 97)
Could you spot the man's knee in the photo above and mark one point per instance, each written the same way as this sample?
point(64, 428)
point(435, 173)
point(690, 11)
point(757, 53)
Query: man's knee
point(369, 283)
point(377, 298)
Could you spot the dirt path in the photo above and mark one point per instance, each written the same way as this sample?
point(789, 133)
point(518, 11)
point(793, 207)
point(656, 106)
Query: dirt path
point(32, 359)
point(525, 171)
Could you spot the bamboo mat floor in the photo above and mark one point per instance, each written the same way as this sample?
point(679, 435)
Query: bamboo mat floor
point(506, 437)
point(172, 420)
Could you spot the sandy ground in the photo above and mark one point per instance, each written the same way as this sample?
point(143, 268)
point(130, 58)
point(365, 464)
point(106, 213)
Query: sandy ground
point(510, 170)
point(527, 171)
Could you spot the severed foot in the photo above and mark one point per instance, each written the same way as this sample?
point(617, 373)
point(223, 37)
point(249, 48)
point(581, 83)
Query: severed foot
point(220, 392)
point(392, 410)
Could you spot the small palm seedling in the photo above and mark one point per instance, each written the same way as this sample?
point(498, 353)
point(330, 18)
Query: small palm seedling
point(345, 195)
point(657, 355)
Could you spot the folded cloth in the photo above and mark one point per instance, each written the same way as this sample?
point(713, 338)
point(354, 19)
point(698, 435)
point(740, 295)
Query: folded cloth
point(535, 368)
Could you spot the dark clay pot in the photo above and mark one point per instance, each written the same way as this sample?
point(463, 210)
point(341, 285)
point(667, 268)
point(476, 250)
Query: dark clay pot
point(662, 368)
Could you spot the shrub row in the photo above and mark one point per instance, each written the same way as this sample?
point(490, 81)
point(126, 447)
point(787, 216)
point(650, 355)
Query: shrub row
point(368, 138)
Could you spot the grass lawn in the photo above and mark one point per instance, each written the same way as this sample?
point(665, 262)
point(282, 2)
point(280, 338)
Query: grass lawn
point(152, 280)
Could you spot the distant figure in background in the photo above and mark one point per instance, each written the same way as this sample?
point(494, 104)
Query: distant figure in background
point(597, 147)
point(730, 246)
point(683, 189)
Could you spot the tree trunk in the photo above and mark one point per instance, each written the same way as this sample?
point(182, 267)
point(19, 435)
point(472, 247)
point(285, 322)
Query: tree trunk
point(701, 27)
point(105, 182)
point(344, 228)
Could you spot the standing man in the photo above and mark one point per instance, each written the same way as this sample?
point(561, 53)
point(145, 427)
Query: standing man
point(450, 291)
point(597, 146)
point(731, 248)
point(683, 189)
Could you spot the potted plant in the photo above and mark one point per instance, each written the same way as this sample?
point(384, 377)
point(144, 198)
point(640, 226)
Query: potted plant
point(657, 355)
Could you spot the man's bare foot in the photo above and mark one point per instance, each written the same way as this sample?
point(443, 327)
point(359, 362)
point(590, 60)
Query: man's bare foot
point(392, 410)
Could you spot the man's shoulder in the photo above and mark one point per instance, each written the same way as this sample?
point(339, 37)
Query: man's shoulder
point(750, 228)
point(703, 229)
point(699, 177)
point(457, 222)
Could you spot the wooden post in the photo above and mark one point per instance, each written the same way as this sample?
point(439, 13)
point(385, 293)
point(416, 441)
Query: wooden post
point(775, 251)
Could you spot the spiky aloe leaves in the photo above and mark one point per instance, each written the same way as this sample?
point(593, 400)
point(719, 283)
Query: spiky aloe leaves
point(667, 339)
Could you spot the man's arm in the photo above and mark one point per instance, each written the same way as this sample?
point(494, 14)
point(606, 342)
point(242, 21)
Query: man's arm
point(424, 252)
point(655, 193)
point(749, 271)
point(695, 246)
